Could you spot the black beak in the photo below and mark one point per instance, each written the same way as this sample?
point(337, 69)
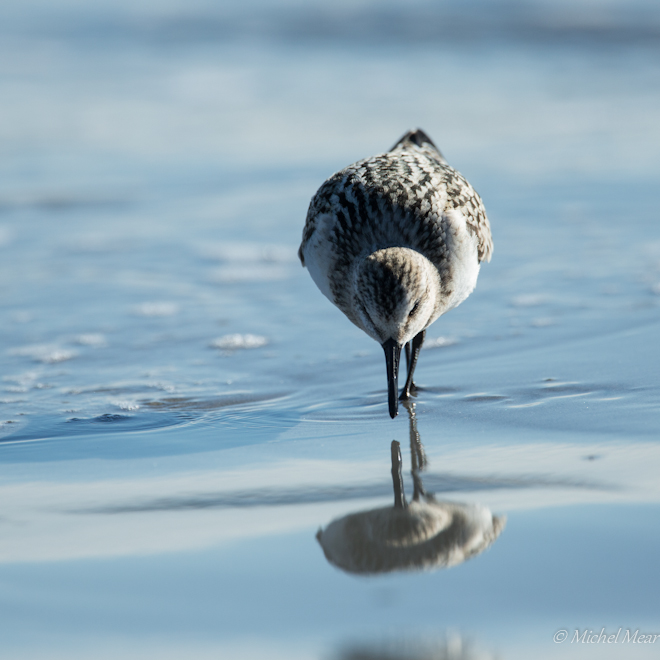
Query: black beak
point(392, 354)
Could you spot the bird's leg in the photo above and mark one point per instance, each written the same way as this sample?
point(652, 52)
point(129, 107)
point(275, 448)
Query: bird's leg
point(408, 355)
point(417, 342)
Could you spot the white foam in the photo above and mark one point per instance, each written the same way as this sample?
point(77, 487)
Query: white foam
point(439, 342)
point(44, 353)
point(237, 341)
point(126, 405)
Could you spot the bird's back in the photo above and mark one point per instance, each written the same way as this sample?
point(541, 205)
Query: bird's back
point(407, 197)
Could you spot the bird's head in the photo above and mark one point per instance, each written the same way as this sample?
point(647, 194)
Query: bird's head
point(394, 300)
point(395, 294)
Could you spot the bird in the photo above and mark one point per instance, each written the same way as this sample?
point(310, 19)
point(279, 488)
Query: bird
point(395, 241)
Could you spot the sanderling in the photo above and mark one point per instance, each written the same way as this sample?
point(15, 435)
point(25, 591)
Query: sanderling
point(395, 241)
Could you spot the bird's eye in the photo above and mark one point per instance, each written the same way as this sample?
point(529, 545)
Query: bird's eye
point(414, 309)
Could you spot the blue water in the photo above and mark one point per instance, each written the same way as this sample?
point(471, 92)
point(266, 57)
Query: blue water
point(181, 409)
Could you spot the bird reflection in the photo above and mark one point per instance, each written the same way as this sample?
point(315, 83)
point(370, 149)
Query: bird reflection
point(421, 534)
point(454, 647)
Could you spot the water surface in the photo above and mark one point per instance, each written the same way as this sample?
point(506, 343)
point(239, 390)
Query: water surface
point(181, 410)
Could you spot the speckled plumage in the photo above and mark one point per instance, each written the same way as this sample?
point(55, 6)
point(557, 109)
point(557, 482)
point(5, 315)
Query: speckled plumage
point(392, 230)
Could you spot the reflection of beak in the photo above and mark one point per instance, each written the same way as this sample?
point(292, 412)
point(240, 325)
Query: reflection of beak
point(392, 354)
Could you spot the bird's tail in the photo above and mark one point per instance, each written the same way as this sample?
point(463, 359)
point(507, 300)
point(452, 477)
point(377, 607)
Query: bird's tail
point(419, 139)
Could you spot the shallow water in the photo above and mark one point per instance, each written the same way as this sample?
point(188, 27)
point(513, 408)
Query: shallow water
point(181, 410)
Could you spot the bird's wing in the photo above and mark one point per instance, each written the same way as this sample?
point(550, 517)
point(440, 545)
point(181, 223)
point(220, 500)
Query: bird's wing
point(325, 199)
point(321, 203)
point(460, 195)
point(383, 192)
point(464, 198)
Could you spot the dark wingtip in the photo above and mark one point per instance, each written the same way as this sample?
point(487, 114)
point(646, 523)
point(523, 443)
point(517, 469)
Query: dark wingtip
point(417, 137)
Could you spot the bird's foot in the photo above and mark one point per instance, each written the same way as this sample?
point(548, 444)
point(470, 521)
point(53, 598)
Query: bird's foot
point(407, 392)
